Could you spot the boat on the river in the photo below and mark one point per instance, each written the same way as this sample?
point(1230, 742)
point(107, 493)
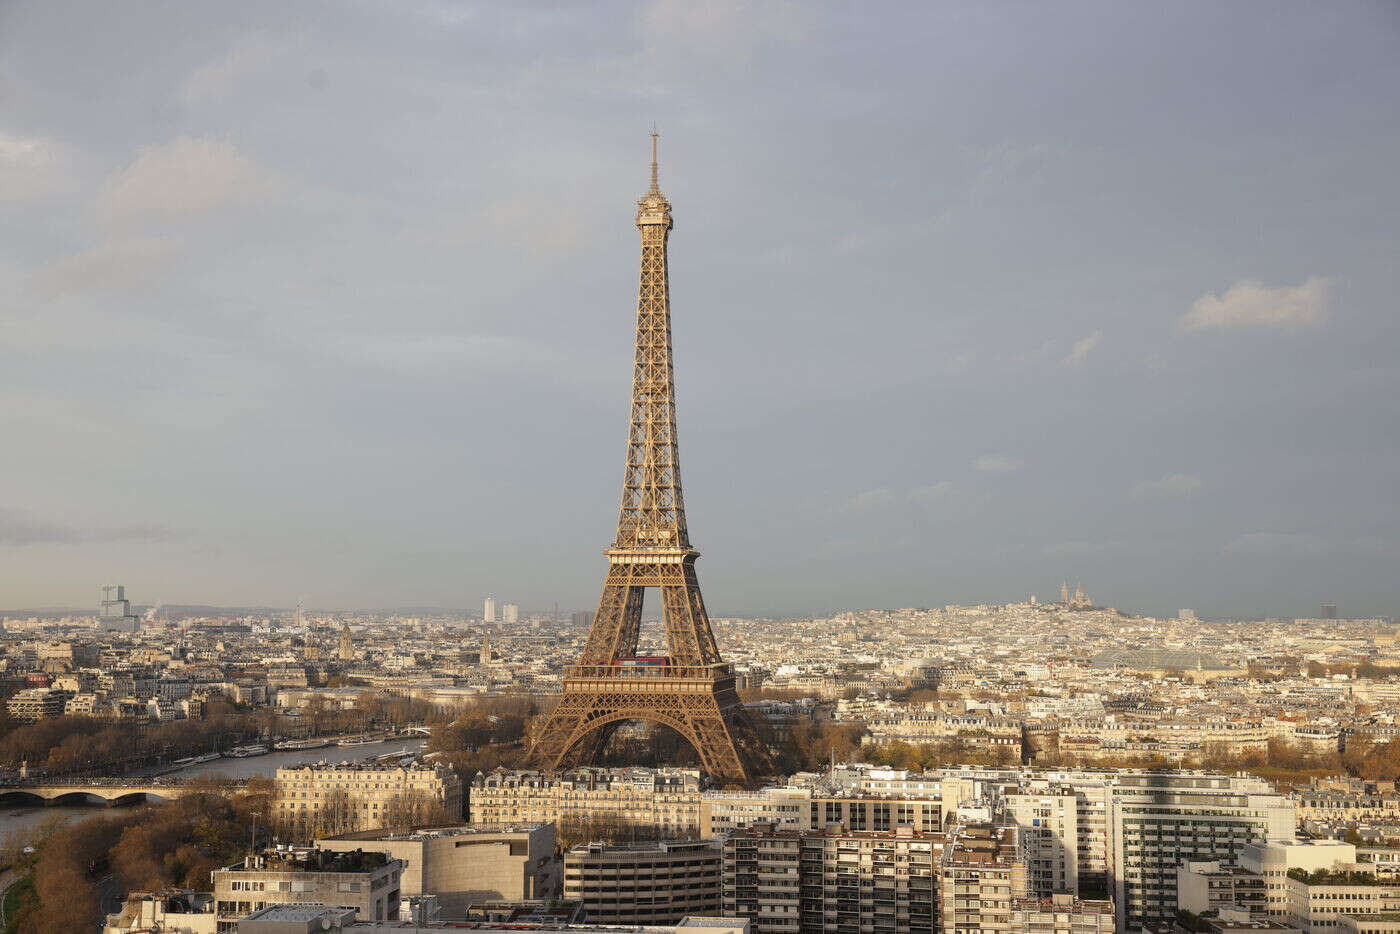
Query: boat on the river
point(243, 752)
point(360, 740)
point(196, 760)
point(298, 745)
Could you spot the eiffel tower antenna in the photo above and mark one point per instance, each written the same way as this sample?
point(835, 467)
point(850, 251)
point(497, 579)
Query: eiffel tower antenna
point(691, 690)
point(655, 188)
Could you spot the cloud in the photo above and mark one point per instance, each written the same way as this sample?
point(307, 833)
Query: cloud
point(871, 499)
point(118, 266)
point(21, 530)
point(995, 463)
point(932, 494)
point(1082, 348)
point(1252, 304)
point(185, 177)
point(535, 223)
point(725, 30)
point(1080, 549)
point(1172, 486)
point(218, 77)
point(32, 167)
point(413, 352)
point(1279, 544)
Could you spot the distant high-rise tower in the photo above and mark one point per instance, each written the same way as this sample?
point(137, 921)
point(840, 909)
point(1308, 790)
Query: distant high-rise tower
point(347, 645)
point(1329, 611)
point(297, 620)
point(510, 613)
point(1186, 616)
point(488, 613)
point(115, 614)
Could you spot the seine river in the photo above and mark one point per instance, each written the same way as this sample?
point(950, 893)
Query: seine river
point(17, 820)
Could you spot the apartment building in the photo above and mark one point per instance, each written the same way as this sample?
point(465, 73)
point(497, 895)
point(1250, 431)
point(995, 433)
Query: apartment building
point(643, 883)
point(666, 801)
point(311, 919)
point(171, 911)
point(983, 872)
point(863, 810)
point(833, 879)
point(1270, 862)
point(1318, 900)
point(723, 811)
point(368, 883)
point(1212, 885)
point(466, 864)
point(1021, 795)
point(328, 799)
point(1049, 822)
point(1061, 914)
point(1157, 820)
point(33, 704)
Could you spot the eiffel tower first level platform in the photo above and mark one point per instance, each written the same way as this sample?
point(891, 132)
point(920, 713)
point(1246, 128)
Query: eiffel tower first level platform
point(691, 689)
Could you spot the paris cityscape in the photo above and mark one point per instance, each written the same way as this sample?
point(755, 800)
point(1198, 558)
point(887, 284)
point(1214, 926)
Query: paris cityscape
point(1044, 473)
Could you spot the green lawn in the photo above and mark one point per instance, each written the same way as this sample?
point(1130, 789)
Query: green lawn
point(18, 895)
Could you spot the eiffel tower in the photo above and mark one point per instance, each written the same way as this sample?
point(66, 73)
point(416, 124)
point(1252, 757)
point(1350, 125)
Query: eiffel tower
point(691, 690)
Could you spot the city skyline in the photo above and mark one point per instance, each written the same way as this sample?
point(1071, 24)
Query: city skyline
point(936, 342)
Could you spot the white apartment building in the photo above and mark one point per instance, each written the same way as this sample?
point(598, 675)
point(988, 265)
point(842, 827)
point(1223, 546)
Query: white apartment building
point(1157, 820)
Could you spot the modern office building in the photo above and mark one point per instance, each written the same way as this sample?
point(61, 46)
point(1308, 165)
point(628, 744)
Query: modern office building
point(114, 614)
point(643, 883)
point(466, 864)
point(488, 610)
point(510, 613)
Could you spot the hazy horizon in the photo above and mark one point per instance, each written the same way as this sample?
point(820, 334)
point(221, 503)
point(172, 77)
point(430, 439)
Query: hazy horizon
point(335, 302)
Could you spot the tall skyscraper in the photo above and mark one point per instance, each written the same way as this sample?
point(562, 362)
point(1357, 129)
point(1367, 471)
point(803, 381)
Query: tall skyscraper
point(510, 613)
point(1329, 611)
point(488, 612)
point(691, 690)
point(115, 613)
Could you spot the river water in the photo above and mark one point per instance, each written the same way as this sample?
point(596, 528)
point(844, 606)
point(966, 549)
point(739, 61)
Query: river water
point(17, 821)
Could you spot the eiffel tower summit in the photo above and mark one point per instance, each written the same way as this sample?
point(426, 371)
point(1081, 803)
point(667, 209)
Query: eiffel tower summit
point(691, 690)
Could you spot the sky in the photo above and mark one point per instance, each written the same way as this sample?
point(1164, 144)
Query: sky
point(334, 301)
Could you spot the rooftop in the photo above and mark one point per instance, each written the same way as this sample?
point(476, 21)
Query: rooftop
point(310, 859)
point(448, 830)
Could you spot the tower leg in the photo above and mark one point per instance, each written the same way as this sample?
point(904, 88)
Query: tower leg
point(714, 724)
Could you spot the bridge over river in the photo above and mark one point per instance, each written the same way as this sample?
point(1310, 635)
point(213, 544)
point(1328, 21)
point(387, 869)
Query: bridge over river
point(110, 793)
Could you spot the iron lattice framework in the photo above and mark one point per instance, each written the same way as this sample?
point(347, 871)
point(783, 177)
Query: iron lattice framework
point(693, 692)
